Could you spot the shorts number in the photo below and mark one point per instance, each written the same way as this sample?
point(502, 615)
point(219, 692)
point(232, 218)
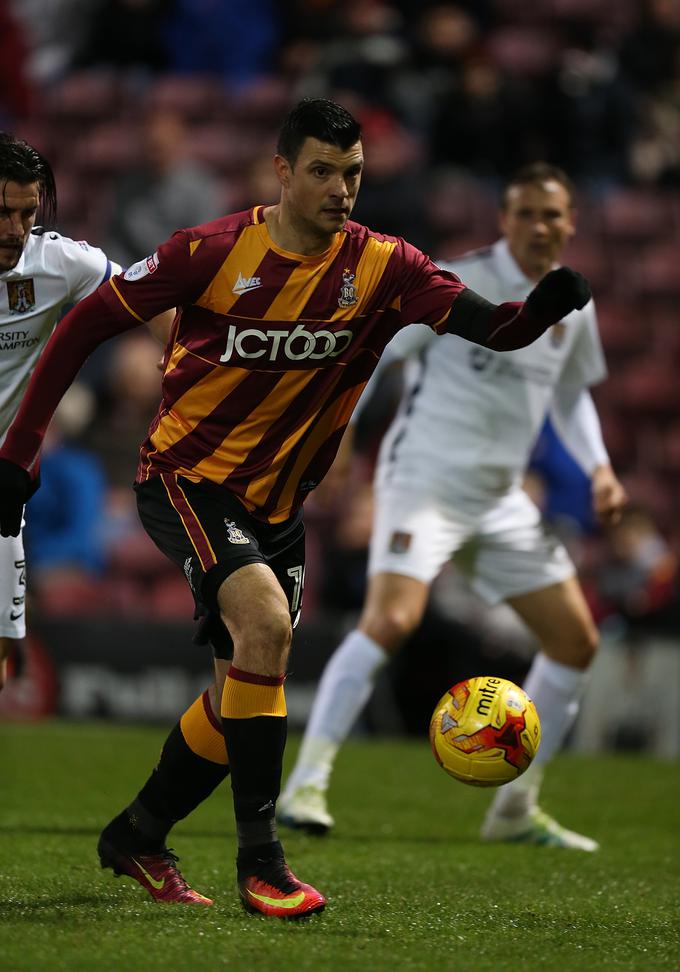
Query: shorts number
point(298, 575)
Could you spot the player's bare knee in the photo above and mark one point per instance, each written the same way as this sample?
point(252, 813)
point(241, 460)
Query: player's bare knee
point(587, 647)
point(577, 649)
point(389, 627)
point(263, 644)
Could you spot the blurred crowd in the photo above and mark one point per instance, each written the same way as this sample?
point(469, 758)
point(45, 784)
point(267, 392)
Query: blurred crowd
point(162, 113)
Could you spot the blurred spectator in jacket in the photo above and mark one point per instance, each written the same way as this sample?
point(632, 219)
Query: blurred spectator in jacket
point(63, 520)
point(129, 402)
point(15, 90)
point(166, 192)
point(233, 39)
point(588, 110)
point(649, 52)
point(637, 583)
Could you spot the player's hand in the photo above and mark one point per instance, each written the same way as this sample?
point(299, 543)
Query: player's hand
point(609, 496)
point(557, 294)
point(15, 489)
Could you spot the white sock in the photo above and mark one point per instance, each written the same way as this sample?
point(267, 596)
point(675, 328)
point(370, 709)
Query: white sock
point(556, 690)
point(345, 687)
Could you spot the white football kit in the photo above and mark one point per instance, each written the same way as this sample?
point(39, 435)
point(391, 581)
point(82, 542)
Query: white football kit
point(451, 465)
point(52, 273)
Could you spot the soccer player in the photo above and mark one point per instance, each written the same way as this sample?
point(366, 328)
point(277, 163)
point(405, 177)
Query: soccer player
point(40, 272)
point(284, 311)
point(450, 470)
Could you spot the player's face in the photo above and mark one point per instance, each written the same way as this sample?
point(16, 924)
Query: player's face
point(18, 209)
point(537, 221)
point(321, 188)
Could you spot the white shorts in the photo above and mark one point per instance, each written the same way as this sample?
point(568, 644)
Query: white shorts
point(12, 588)
point(511, 550)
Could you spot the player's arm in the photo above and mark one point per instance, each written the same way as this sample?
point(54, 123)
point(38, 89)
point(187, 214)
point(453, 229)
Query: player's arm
point(161, 326)
point(147, 289)
point(575, 420)
point(512, 325)
point(84, 328)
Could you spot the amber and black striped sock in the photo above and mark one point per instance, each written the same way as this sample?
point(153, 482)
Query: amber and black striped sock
point(255, 727)
point(193, 762)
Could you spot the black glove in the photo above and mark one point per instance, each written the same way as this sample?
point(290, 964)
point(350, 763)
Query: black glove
point(16, 487)
point(557, 294)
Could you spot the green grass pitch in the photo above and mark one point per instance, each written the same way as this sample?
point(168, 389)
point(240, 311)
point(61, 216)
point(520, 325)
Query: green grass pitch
point(409, 887)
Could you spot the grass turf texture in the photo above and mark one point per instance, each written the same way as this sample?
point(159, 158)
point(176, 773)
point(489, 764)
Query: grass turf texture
point(409, 885)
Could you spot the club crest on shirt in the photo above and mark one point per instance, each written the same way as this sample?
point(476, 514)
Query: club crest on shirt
point(557, 334)
point(234, 533)
point(348, 292)
point(400, 541)
point(21, 295)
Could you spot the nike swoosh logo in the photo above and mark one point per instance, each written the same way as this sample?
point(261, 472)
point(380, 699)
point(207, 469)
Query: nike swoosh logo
point(279, 902)
point(158, 885)
point(15, 617)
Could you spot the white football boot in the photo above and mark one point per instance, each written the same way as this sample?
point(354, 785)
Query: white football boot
point(305, 808)
point(534, 827)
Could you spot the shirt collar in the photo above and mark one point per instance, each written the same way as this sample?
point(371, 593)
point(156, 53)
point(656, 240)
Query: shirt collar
point(508, 268)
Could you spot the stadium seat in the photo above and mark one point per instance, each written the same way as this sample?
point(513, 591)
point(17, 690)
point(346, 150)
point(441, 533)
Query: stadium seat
point(646, 386)
point(591, 259)
point(659, 272)
point(620, 324)
point(82, 98)
point(171, 598)
point(198, 98)
point(73, 594)
point(107, 149)
point(226, 150)
point(636, 216)
point(671, 447)
point(526, 51)
point(459, 206)
point(262, 102)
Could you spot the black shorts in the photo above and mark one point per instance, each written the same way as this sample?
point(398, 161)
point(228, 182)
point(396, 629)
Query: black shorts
point(209, 534)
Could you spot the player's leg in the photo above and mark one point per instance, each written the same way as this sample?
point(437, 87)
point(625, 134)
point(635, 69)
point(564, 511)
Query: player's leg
point(256, 612)
point(560, 618)
point(192, 763)
point(393, 608)
point(522, 563)
point(409, 545)
point(12, 600)
point(193, 760)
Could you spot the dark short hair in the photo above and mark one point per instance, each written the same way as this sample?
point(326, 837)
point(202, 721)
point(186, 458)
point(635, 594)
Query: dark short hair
point(536, 172)
point(316, 118)
point(21, 163)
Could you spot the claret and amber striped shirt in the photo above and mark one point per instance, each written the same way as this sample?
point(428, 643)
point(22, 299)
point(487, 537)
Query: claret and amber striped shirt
point(270, 349)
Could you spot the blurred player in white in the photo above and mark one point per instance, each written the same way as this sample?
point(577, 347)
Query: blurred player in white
point(450, 469)
point(41, 273)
